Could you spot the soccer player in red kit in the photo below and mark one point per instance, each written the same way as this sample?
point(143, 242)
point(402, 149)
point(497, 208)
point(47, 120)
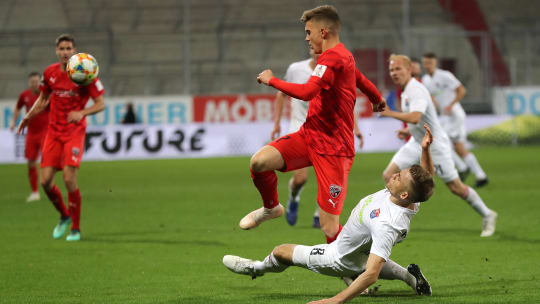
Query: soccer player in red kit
point(326, 140)
point(64, 144)
point(37, 129)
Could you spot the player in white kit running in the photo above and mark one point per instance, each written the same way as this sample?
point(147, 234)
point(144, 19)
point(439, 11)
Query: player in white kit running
point(363, 247)
point(448, 91)
point(417, 110)
point(297, 72)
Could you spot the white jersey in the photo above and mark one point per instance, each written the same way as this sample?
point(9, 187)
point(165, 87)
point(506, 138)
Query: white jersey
point(416, 98)
point(298, 72)
point(376, 224)
point(442, 85)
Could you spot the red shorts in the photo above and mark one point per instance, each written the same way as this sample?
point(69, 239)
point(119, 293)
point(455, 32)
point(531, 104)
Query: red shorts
point(33, 145)
point(332, 171)
point(59, 152)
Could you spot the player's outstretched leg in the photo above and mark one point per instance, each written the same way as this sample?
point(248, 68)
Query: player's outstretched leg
point(471, 196)
point(481, 177)
point(262, 167)
point(74, 202)
point(277, 261)
point(422, 286)
point(462, 168)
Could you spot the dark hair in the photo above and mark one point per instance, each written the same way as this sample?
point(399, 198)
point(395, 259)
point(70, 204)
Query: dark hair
point(65, 37)
point(414, 59)
point(430, 55)
point(422, 184)
point(32, 74)
point(325, 13)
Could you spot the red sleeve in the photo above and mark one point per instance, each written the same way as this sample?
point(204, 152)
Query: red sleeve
point(305, 91)
point(367, 87)
point(96, 89)
point(325, 69)
point(20, 101)
point(44, 87)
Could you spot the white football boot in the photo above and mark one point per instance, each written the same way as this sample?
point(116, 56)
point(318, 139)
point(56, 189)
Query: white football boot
point(240, 265)
point(488, 224)
point(256, 217)
point(34, 196)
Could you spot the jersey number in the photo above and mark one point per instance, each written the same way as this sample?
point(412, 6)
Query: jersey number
point(317, 251)
point(438, 170)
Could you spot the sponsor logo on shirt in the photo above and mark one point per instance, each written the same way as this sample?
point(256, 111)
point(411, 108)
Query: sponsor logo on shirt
point(335, 190)
point(374, 213)
point(66, 93)
point(319, 70)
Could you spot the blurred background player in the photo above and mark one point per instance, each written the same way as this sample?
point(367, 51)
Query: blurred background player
point(297, 72)
point(417, 110)
point(363, 249)
point(448, 91)
point(325, 141)
point(37, 129)
point(64, 144)
point(416, 73)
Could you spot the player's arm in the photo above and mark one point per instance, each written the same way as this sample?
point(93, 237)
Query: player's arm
point(16, 113)
point(412, 117)
point(435, 103)
point(280, 99)
point(370, 90)
point(98, 106)
point(304, 92)
point(460, 93)
point(40, 105)
point(367, 278)
point(426, 162)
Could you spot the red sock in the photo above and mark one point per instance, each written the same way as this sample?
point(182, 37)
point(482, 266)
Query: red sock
point(32, 175)
point(331, 239)
point(74, 201)
point(266, 183)
point(56, 198)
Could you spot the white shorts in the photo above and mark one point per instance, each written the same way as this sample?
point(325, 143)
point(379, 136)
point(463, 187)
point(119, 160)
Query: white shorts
point(322, 259)
point(454, 125)
point(410, 154)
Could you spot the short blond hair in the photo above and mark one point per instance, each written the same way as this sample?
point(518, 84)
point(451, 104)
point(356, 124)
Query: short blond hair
point(404, 58)
point(325, 13)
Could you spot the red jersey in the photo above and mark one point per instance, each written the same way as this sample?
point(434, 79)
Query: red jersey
point(65, 96)
point(330, 119)
point(39, 123)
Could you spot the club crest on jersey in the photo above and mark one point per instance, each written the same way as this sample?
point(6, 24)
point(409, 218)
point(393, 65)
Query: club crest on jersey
point(375, 213)
point(75, 151)
point(335, 190)
point(319, 70)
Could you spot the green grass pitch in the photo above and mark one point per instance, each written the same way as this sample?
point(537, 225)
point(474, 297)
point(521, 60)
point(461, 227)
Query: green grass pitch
point(156, 231)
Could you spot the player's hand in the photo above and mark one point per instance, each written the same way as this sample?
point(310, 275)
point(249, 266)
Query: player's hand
point(428, 137)
point(24, 122)
point(448, 110)
point(403, 133)
point(380, 106)
point(385, 111)
point(265, 76)
point(75, 116)
point(276, 131)
point(360, 138)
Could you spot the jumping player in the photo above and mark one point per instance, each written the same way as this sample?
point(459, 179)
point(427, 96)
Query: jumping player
point(325, 141)
point(448, 91)
point(64, 144)
point(37, 129)
point(417, 110)
point(363, 248)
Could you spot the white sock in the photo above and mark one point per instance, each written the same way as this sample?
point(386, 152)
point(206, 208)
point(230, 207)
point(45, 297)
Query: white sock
point(477, 203)
point(316, 214)
point(294, 192)
point(471, 161)
point(460, 164)
point(269, 264)
point(393, 271)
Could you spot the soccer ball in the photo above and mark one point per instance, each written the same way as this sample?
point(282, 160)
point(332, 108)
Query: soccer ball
point(82, 68)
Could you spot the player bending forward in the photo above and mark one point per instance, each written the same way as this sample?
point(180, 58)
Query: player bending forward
point(376, 224)
point(64, 144)
point(417, 109)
